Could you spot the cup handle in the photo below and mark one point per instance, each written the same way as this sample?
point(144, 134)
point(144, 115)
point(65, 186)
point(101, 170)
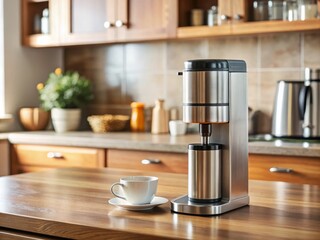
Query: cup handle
point(114, 193)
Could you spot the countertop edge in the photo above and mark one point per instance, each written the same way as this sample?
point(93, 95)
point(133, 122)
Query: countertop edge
point(149, 142)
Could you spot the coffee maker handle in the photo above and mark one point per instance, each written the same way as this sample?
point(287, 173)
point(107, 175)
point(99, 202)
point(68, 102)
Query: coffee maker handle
point(303, 96)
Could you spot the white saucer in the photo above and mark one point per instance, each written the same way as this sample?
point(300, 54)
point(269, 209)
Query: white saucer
point(128, 206)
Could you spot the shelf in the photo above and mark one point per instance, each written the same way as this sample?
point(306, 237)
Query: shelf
point(275, 26)
point(248, 28)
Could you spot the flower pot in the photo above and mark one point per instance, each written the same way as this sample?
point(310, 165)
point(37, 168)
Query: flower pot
point(65, 120)
point(34, 119)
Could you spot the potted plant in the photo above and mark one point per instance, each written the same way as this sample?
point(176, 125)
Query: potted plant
point(64, 95)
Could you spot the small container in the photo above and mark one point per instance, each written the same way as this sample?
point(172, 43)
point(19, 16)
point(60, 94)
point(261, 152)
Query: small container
point(308, 9)
point(137, 117)
point(45, 29)
point(159, 118)
point(177, 127)
point(196, 17)
point(275, 9)
point(290, 10)
point(212, 16)
point(260, 10)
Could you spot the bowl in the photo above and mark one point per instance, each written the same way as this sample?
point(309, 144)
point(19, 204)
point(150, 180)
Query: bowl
point(33, 118)
point(108, 123)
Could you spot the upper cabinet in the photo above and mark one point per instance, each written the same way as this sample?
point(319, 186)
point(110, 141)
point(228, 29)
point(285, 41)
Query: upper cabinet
point(47, 23)
point(99, 21)
point(237, 17)
point(40, 23)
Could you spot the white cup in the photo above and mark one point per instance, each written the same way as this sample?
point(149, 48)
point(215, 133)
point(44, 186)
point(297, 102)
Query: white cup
point(136, 189)
point(177, 127)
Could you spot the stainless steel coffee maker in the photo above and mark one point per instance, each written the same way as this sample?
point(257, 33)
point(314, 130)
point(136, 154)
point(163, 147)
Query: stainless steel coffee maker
point(215, 96)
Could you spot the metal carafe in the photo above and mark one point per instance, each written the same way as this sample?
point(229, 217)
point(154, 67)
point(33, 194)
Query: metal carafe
point(309, 103)
point(296, 112)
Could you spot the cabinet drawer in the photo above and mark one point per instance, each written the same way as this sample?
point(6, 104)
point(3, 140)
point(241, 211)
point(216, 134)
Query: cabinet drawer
point(303, 170)
point(153, 161)
point(27, 158)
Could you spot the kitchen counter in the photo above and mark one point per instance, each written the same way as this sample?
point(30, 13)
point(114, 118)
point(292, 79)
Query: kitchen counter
point(150, 142)
point(72, 203)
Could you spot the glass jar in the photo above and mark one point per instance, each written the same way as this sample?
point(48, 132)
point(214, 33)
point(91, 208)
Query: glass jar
point(290, 10)
point(307, 9)
point(260, 10)
point(275, 9)
point(137, 117)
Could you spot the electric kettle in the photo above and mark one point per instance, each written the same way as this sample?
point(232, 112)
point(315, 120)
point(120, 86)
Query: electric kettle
point(296, 110)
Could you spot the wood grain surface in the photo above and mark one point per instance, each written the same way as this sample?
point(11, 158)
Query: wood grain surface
point(72, 203)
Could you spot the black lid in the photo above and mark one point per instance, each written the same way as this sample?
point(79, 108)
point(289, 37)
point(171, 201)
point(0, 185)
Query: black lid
point(210, 146)
point(215, 65)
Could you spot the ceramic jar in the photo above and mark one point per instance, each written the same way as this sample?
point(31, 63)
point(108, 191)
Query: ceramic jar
point(160, 121)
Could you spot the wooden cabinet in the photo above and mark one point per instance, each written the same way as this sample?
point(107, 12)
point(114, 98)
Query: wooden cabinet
point(4, 157)
point(80, 22)
point(27, 158)
point(148, 161)
point(283, 168)
point(32, 11)
point(116, 21)
point(237, 15)
point(303, 170)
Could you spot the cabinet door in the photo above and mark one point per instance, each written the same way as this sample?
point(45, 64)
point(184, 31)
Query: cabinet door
point(27, 158)
point(304, 170)
point(88, 22)
point(232, 11)
point(146, 20)
point(148, 161)
point(32, 11)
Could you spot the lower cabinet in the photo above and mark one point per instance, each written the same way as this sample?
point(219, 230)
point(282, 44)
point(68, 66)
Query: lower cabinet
point(148, 160)
point(303, 170)
point(27, 158)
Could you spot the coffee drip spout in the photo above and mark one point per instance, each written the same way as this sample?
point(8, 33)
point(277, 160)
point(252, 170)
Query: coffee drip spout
point(205, 130)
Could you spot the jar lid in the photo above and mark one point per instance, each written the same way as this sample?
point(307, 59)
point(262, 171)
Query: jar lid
point(215, 65)
point(137, 104)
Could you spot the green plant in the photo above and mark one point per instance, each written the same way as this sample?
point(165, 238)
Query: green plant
point(69, 90)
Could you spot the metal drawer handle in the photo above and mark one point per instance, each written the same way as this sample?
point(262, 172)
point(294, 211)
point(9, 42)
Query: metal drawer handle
point(150, 161)
point(55, 155)
point(281, 170)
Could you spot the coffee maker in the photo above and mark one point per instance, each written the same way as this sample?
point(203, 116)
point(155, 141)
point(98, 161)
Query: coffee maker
point(215, 97)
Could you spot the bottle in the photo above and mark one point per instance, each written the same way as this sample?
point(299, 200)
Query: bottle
point(212, 16)
point(160, 121)
point(45, 21)
point(137, 117)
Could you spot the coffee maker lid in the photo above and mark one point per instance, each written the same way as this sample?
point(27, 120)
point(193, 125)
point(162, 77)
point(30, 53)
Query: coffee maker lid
point(215, 65)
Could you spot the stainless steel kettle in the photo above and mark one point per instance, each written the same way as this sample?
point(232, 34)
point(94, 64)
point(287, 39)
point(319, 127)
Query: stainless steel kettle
point(296, 110)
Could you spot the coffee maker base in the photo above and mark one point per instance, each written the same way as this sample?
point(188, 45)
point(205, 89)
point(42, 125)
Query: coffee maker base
point(183, 205)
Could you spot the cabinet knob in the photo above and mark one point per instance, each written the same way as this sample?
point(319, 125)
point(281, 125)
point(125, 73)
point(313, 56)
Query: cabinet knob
point(55, 155)
point(107, 24)
point(120, 23)
point(238, 17)
point(150, 161)
point(280, 170)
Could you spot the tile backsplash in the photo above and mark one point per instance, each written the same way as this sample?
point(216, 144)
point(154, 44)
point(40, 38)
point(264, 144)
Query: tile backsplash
point(122, 73)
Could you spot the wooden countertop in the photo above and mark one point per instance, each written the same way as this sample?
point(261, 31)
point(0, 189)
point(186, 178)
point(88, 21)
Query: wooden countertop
point(72, 203)
point(153, 142)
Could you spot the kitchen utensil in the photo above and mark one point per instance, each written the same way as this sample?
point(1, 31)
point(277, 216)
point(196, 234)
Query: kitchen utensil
point(34, 119)
point(296, 110)
point(156, 201)
point(215, 96)
point(136, 189)
point(108, 122)
point(177, 127)
point(160, 118)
